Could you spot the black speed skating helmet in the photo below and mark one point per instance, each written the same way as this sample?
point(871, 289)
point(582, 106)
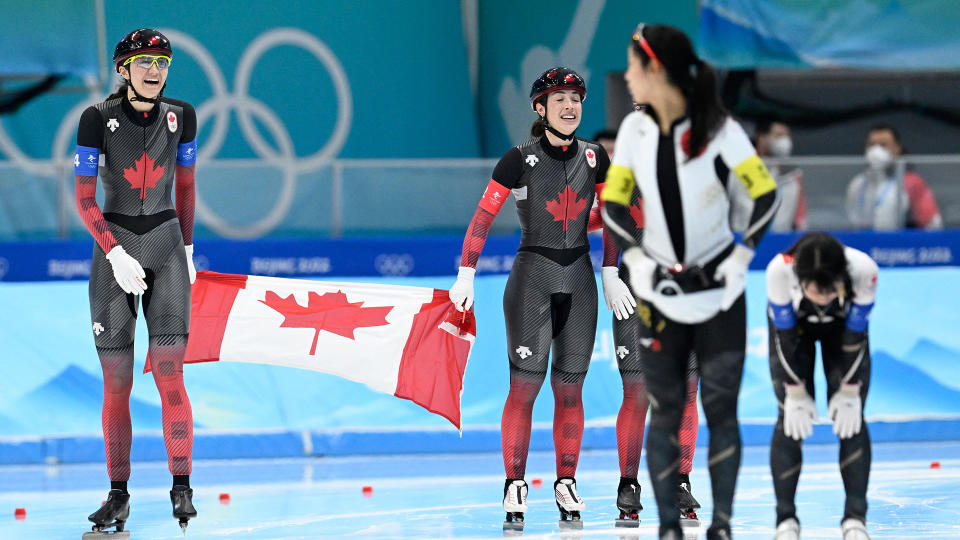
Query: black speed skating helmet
point(558, 78)
point(141, 41)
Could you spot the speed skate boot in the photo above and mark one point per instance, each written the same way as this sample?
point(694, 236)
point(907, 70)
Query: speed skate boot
point(113, 513)
point(628, 502)
point(182, 499)
point(515, 503)
point(569, 502)
point(854, 529)
point(687, 505)
point(788, 529)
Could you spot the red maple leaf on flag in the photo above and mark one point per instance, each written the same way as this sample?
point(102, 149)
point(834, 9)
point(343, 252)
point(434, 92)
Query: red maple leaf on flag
point(144, 174)
point(636, 212)
point(330, 311)
point(567, 207)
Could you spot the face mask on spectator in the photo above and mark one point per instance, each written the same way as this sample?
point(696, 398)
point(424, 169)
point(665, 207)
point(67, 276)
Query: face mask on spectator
point(781, 146)
point(878, 157)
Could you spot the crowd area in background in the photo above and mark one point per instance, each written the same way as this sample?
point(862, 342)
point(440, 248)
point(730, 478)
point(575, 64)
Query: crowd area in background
point(887, 195)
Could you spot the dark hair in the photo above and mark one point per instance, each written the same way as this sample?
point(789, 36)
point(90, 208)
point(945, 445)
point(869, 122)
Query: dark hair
point(885, 127)
point(605, 134)
point(820, 258)
point(538, 128)
point(695, 79)
point(121, 91)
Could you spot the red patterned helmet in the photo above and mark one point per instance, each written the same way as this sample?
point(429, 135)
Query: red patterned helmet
point(558, 78)
point(141, 41)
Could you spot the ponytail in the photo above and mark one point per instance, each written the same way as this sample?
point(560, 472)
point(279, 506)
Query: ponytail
point(539, 126)
point(707, 113)
point(121, 91)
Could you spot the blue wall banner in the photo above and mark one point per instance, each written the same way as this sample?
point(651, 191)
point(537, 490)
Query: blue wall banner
point(419, 255)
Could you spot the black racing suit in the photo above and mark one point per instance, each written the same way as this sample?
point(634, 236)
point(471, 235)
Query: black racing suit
point(145, 157)
point(846, 359)
point(550, 299)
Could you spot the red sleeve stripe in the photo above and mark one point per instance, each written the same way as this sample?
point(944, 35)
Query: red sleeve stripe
point(494, 197)
point(86, 192)
point(185, 193)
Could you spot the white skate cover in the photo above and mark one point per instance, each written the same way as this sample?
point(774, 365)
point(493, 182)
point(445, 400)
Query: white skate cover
point(788, 529)
point(854, 529)
point(567, 497)
point(690, 527)
point(105, 535)
point(515, 499)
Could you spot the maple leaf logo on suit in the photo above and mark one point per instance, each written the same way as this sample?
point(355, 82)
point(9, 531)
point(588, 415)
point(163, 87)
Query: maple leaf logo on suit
point(143, 174)
point(567, 207)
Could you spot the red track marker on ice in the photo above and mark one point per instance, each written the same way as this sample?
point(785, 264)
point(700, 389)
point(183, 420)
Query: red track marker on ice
point(224, 498)
point(934, 464)
point(20, 514)
point(537, 483)
point(367, 491)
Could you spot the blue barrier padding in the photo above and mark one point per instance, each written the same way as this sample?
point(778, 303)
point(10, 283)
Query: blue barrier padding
point(426, 255)
point(289, 444)
point(283, 444)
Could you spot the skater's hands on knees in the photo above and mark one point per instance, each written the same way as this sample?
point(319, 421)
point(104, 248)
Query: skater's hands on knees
point(846, 410)
point(799, 412)
point(191, 269)
point(616, 293)
point(732, 272)
point(127, 271)
point(641, 270)
point(461, 294)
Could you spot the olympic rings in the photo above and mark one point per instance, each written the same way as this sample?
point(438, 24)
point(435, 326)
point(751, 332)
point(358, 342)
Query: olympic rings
point(220, 104)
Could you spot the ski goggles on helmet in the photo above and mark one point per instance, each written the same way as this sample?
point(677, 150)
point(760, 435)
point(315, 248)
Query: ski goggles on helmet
point(146, 61)
point(642, 41)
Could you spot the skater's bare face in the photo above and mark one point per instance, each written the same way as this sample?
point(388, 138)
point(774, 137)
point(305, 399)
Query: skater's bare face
point(147, 81)
point(642, 81)
point(563, 110)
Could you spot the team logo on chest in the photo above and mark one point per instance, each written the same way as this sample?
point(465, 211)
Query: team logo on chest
point(143, 174)
point(172, 121)
point(113, 124)
point(591, 157)
point(532, 159)
point(567, 206)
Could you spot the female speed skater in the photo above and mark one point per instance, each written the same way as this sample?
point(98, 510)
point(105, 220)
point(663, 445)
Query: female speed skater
point(143, 253)
point(820, 290)
point(550, 299)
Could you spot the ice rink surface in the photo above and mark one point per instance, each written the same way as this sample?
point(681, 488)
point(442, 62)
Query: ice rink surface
point(913, 494)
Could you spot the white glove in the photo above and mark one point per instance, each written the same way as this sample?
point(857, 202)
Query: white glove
point(616, 293)
point(127, 271)
point(191, 269)
point(799, 412)
point(846, 411)
point(461, 294)
point(732, 272)
point(641, 270)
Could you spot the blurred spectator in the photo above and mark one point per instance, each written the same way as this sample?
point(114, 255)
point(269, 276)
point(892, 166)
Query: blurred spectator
point(606, 138)
point(888, 195)
point(772, 140)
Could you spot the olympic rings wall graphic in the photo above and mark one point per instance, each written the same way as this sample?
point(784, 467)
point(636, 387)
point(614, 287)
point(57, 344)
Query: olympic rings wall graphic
point(217, 108)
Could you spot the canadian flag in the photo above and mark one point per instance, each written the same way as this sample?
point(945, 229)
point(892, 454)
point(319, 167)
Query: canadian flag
point(406, 341)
